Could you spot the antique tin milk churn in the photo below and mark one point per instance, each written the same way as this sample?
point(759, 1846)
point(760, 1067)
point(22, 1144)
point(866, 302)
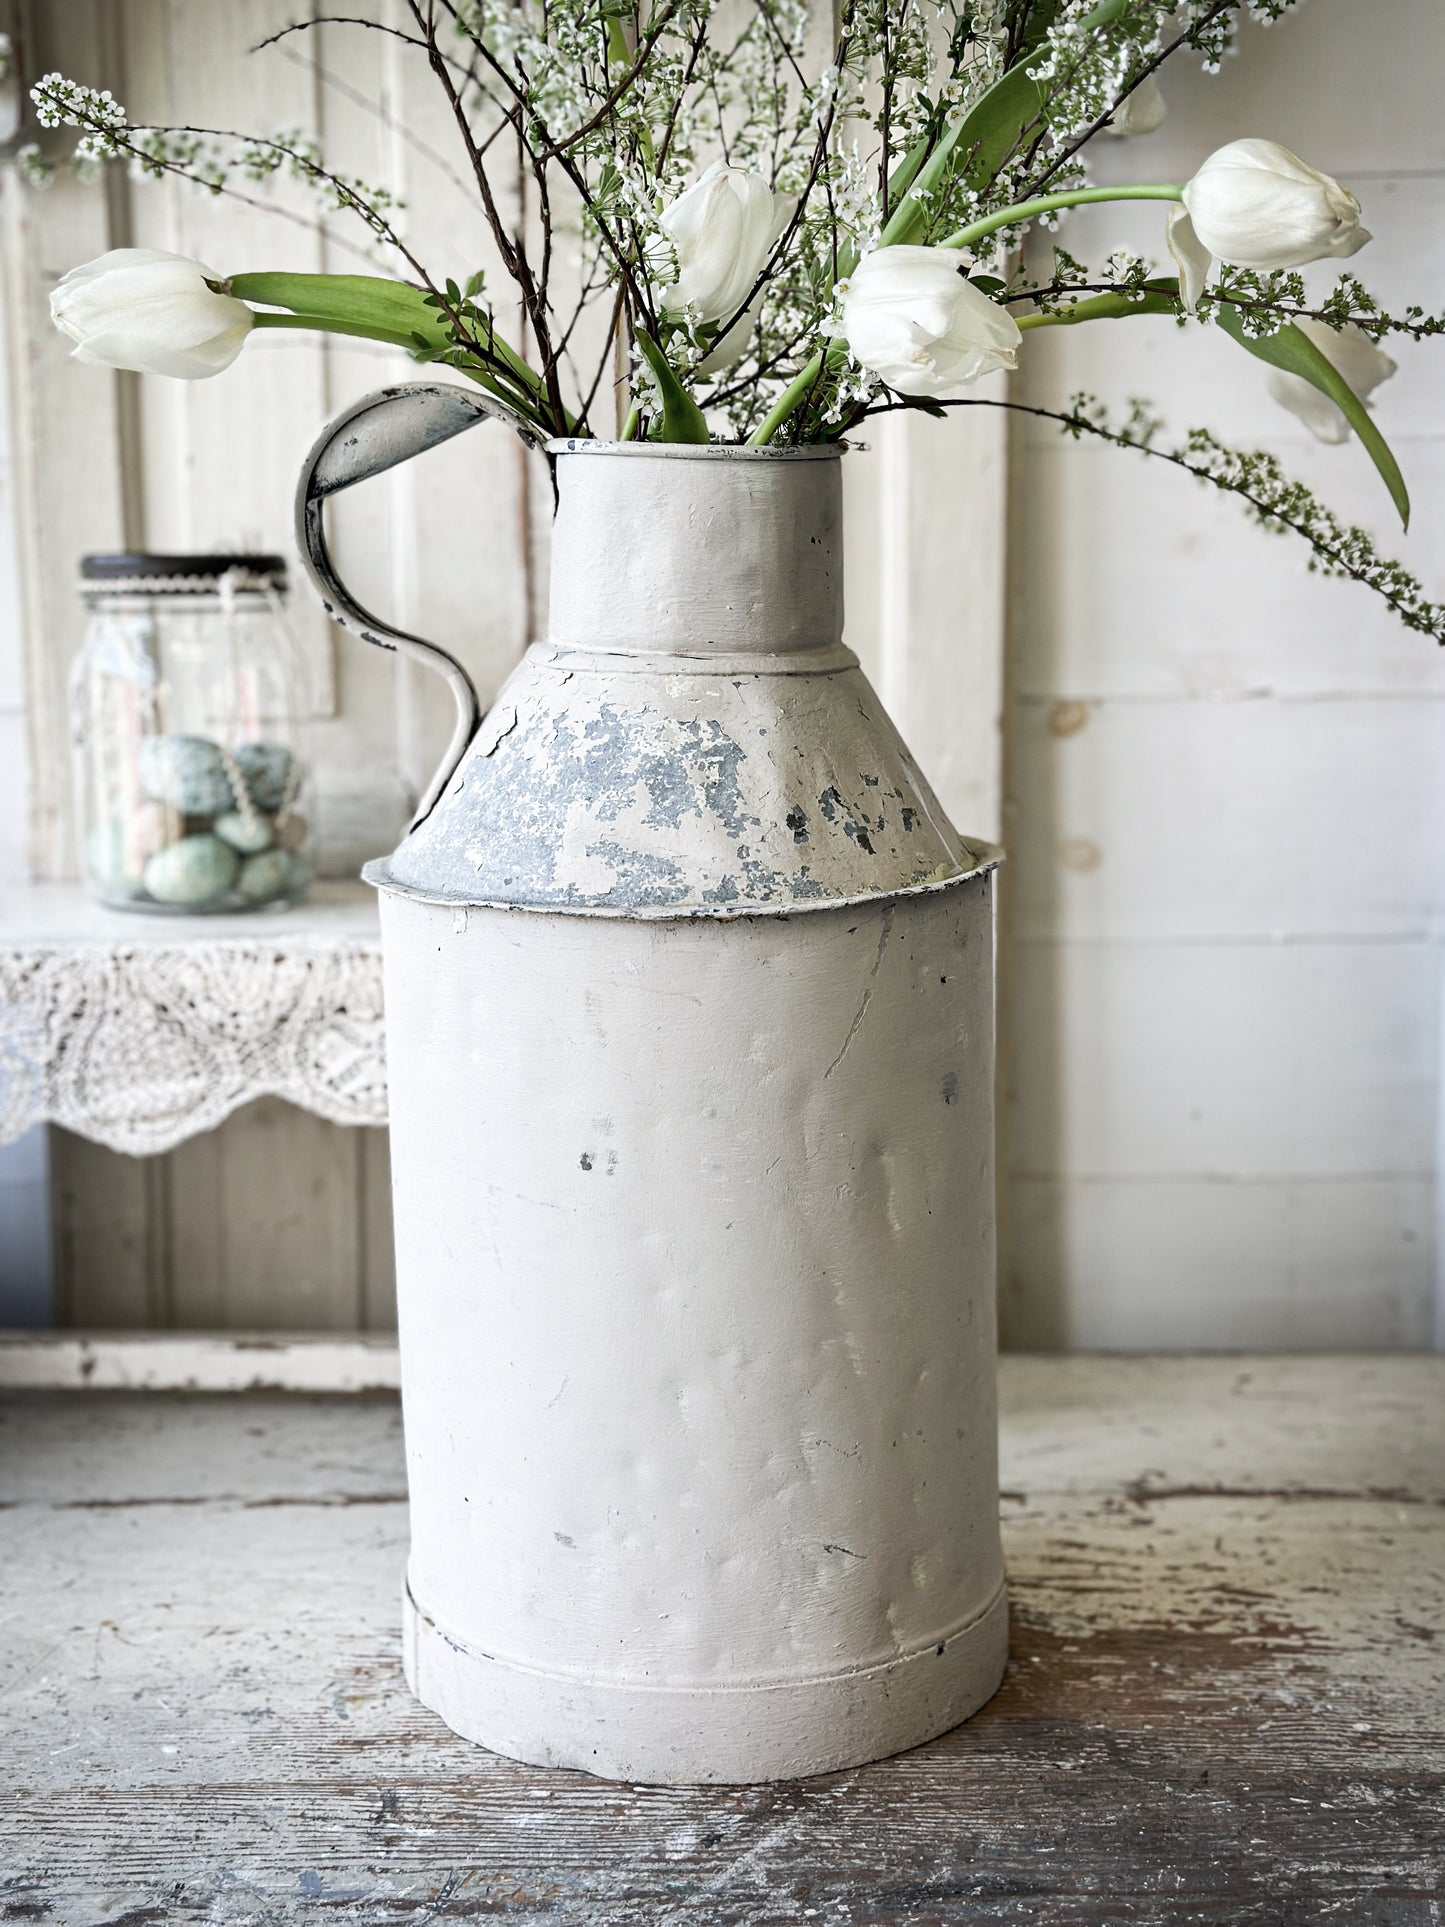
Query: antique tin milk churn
point(690, 1033)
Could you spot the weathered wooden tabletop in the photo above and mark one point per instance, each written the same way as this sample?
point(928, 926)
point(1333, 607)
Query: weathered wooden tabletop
point(1226, 1701)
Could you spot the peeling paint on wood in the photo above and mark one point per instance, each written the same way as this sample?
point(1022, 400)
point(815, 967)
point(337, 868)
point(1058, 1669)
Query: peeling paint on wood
point(1224, 1705)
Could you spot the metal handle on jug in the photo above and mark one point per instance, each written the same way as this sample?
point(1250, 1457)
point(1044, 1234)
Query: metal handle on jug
point(376, 434)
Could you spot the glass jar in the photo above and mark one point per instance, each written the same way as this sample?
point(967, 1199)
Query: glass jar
point(185, 697)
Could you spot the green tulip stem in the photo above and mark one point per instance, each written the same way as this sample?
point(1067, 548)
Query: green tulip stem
point(1047, 203)
point(367, 330)
point(830, 356)
point(786, 402)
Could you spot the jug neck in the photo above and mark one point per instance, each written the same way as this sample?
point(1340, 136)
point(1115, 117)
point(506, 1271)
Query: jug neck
point(696, 552)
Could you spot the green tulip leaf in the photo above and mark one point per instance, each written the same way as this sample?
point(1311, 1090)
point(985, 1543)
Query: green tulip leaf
point(361, 300)
point(1292, 350)
point(384, 310)
point(977, 146)
point(682, 419)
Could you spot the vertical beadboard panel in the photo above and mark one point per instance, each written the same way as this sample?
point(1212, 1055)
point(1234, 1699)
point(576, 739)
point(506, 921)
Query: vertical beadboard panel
point(266, 1220)
point(927, 512)
point(218, 458)
point(276, 1218)
point(65, 425)
point(378, 1252)
point(111, 1221)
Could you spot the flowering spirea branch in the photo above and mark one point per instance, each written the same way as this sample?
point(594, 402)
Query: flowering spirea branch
point(1279, 297)
point(1278, 502)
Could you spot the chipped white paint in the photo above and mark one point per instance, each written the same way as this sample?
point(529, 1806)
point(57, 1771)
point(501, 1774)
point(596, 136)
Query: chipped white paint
point(195, 1362)
point(693, 737)
point(694, 1193)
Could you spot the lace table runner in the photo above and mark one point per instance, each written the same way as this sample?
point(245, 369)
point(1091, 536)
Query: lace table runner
point(140, 1031)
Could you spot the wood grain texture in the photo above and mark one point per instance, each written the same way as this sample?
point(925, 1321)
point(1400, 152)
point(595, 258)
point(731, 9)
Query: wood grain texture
point(1225, 1702)
point(112, 1257)
point(275, 1220)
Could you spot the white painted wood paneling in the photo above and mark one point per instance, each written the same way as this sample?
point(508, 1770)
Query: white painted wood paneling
point(1227, 895)
point(1189, 818)
point(1339, 1040)
point(926, 511)
point(1199, 1264)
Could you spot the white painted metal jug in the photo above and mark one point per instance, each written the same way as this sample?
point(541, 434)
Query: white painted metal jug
point(690, 1036)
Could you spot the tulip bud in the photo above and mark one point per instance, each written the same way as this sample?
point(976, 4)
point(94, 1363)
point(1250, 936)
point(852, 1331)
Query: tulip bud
point(150, 311)
point(911, 317)
point(1256, 205)
point(1354, 356)
point(723, 229)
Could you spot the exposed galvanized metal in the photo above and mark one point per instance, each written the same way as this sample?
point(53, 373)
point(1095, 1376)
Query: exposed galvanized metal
point(645, 786)
point(694, 1191)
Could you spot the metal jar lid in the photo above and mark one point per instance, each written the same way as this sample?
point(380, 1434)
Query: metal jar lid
point(142, 572)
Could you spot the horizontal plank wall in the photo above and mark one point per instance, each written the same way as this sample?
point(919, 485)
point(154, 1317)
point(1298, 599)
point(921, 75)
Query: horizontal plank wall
point(1226, 789)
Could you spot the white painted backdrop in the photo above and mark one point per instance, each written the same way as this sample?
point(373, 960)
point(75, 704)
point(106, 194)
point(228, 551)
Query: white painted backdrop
point(1220, 959)
point(1225, 789)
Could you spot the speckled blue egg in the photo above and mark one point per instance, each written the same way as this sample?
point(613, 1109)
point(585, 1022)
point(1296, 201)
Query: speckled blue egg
point(192, 872)
point(248, 832)
point(266, 768)
point(265, 876)
point(186, 772)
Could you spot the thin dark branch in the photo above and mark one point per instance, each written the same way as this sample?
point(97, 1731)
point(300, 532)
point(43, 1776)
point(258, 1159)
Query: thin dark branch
point(622, 261)
point(606, 357)
point(623, 86)
point(379, 113)
point(1337, 561)
point(335, 20)
point(815, 168)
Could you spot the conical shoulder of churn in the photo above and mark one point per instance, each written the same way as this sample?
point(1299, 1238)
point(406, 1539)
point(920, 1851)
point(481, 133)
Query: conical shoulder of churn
point(692, 739)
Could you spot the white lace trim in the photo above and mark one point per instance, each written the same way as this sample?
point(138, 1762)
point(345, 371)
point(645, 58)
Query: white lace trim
point(142, 1045)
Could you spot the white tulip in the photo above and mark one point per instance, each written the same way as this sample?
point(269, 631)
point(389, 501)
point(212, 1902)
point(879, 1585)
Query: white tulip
point(1350, 351)
point(1256, 205)
point(1140, 112)
point(147, 310)
point(722, 229)
point(910, 316)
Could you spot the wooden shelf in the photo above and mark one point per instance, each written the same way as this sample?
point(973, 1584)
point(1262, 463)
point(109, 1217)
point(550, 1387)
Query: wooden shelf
point(38, 915)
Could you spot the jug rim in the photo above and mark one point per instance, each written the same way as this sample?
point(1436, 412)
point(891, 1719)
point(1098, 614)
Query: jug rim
point(696, 451)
